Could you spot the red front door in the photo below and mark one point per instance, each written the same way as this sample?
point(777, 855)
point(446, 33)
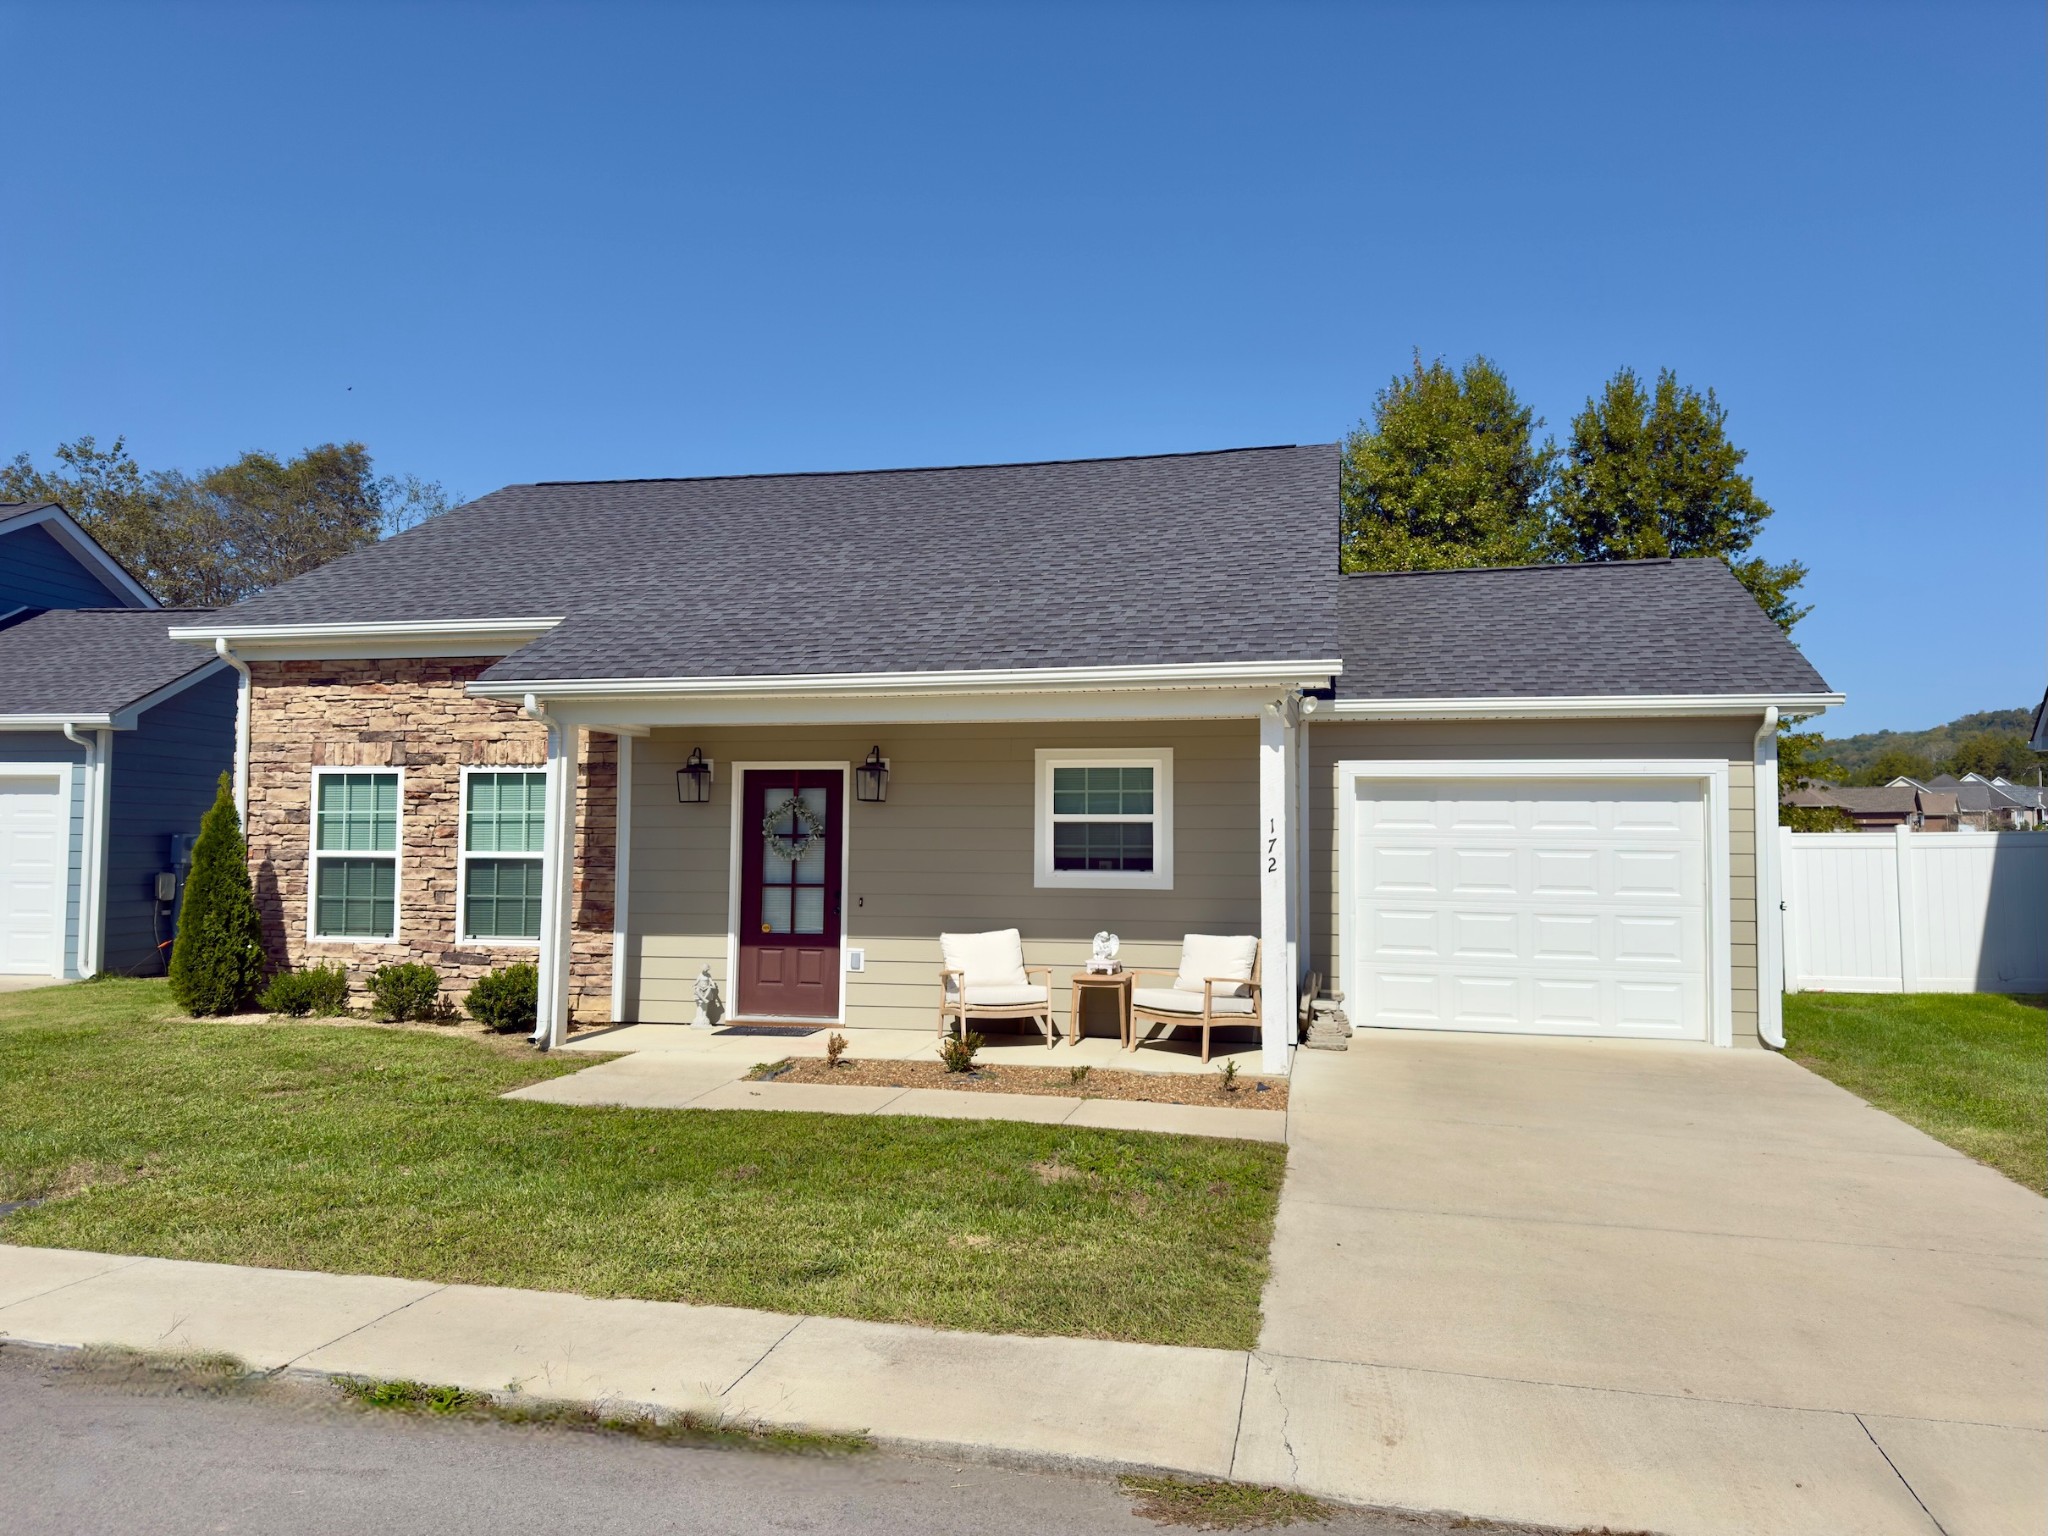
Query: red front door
point(789, 907)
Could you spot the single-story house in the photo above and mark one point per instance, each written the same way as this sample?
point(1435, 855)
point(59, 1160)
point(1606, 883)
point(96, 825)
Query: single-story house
point(1983, 805)
point(112, 741)
point(788, 728)
point(1883, 807)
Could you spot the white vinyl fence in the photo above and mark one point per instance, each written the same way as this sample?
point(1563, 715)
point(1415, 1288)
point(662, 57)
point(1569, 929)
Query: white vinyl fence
point(1915, 911)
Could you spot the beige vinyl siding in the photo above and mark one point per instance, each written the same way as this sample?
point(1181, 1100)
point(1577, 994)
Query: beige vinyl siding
point(1332, 741)
point(950, 849)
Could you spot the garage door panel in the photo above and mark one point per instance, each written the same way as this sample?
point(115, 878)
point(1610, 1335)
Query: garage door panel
point(1556, 907)
point(33, 849)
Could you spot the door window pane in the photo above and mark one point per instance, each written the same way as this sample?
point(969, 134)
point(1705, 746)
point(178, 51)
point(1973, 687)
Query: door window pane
point(775, 910)
point(809, 916)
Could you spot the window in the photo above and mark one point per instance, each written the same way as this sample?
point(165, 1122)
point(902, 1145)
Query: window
point(355, 855)
point(504, 820)
point(1105, 818)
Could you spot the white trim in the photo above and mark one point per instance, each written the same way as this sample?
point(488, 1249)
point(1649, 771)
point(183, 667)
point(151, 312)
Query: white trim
point(740, 770)
point(65, 774)
point(622, 825)
point(314, 854)
point(1221, 674)
point(1273, 846)
point(1160, 761)
point(422, 637)
point(244, 702)
point(1572, 707)
point(126, 718)
point(1710, 773)
point(463, 937)
point(82, 546)
point(54, 722)
point(865, 712)
point(1770, 902)
point(558, 881)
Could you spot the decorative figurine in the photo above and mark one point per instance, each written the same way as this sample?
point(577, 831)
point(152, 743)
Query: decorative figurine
point(1103, 962)
point(709, 1009)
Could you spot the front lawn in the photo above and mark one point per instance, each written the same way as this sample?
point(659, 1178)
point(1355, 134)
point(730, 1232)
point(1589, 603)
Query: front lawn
point(1969, 1068)
point(375, 1151)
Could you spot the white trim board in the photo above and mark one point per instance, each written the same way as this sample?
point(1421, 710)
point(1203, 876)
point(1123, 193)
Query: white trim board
point(1219, 674)
point(1578, 707)
point(463, 938)
point(370, 640)
point(314, 854)
point(1159, 760)
point(732, 887)
point(81, 546)
point(64, 775)
point(1710, 773)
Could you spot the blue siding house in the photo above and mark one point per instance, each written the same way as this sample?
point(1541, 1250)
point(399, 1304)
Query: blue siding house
point(112, 738)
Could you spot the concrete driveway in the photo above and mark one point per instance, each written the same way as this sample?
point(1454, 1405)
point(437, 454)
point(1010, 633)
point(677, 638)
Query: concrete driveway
point(1647, 1287)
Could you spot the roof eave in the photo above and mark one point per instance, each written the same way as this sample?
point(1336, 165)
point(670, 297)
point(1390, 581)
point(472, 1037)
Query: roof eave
point(1584, 706)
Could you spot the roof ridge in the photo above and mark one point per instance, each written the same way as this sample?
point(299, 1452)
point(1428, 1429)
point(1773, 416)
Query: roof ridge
point(928, 469)
point(1546, 565)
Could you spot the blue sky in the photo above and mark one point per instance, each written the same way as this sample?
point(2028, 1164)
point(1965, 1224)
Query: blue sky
point(503, 243)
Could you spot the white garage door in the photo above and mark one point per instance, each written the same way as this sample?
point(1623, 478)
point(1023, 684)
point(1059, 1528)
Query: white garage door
point(32, 848)
point(1551, 907)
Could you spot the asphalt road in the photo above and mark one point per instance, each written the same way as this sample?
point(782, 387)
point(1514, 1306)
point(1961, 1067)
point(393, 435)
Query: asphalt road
point(84, 1451)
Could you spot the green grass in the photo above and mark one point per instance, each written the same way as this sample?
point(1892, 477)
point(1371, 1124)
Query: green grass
point(1216, 1506)
point(373, 1151)
point(1968, 1068)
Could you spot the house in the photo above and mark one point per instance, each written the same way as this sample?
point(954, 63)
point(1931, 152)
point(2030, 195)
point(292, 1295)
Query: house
point(1881, 808)
point(112, 740)
point(1985, 805)
point(567, 721)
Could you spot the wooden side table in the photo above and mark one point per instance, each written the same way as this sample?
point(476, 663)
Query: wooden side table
point(1118, 982)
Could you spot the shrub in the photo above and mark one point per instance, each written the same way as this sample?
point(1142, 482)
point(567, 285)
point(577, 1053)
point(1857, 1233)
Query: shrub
point(321, 990)
point(409, 991)
point(957, 1051)
point(217, 959)
point(1228, 1072)
point(506, 1001)
point(835, 1047)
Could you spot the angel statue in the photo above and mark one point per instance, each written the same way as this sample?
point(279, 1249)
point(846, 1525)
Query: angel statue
point(1103, 960)
point(709, 1008)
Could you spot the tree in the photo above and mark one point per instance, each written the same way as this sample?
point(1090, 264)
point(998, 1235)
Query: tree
point(1803, 762)
point(217, 960)
point(1652, 474)
point(1894, 763)
point(1447, 476)
point(1994, 754)
point(210, 539)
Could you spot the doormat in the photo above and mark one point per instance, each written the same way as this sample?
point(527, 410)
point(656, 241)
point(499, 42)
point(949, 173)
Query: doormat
point(791, 1030)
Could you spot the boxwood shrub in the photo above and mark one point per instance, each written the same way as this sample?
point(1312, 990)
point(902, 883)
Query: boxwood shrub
point(409, 991)
point(319, 990)
point(506, 1000)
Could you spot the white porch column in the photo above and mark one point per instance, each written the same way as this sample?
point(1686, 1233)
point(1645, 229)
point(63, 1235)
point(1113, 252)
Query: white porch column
point(1276, 884)
point(558, 855)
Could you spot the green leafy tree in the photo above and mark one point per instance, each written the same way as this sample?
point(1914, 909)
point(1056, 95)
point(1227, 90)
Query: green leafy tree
point(1447, 476)
point(209, 539)
point(217, 961)
point(1650, 474)
point(1993, 754)
point(1803, 762)
point(1894, 763)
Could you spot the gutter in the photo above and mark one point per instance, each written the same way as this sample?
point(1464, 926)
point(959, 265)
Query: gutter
point(91, 874)
point(558, 851)
point(220, 649)
point(1582, 706)
point(1770, 905)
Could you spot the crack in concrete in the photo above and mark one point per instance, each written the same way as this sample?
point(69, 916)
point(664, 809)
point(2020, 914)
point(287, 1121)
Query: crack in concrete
point(1899, 1475)
point(380, 1317)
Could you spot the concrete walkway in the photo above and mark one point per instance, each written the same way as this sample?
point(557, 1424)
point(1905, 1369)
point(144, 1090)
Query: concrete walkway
point(1645, 1287)
point(675, 1067)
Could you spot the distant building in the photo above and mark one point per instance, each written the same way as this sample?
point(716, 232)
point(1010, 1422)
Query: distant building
point(1986, 805)
point(1885, 806)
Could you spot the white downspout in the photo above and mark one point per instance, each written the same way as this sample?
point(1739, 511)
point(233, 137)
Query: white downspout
point(1770, 916)
point(558, 847)
point(91, 877)
point(220, 649)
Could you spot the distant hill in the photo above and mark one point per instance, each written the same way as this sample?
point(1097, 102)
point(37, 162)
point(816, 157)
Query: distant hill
point(1935, 743)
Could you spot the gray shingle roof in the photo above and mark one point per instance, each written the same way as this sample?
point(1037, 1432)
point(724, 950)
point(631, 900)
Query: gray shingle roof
point(1563, 631)
point(91, 661)
point(1181, 558)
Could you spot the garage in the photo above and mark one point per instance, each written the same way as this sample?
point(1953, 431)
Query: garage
point(1565, 902)
point(32, 870)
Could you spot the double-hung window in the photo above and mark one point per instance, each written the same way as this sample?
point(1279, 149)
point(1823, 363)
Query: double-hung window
point(1105, 818)
point(504, 821)
point(355, 854)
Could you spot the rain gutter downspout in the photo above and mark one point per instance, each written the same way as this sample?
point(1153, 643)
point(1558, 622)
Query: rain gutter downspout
point(550, 1022)
point(1770, 905)
point(90, 875)
point(220, 649)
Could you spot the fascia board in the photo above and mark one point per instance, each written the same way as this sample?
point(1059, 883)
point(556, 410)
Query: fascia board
point(1230, 674)
point(66, 530)
point(102, 722)
point(319, 642)
point(1588, 707)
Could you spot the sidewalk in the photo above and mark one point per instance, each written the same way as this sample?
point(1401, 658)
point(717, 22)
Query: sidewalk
point(1624, 1461)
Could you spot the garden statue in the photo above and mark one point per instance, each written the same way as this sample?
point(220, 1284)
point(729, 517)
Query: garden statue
point(709, 1009)
point(1103, 961)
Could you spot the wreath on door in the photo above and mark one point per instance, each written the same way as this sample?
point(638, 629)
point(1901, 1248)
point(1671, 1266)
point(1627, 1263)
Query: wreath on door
point(796, 846)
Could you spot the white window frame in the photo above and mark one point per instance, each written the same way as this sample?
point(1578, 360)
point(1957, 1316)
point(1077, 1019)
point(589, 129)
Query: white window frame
point(462, 856)
point(314, 854)
point(1160, 761)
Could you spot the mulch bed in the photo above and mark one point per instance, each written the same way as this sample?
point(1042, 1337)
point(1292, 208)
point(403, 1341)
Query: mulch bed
point(1203, 1088)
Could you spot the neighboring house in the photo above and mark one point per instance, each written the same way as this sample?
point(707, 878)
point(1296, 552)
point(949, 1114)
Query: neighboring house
point(1880, 808)
point(1985, 805)
point(112, 738)
point(560, 723)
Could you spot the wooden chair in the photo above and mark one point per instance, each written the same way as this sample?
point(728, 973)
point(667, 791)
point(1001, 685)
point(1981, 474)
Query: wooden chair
point(983, 976)
point(1217, 983)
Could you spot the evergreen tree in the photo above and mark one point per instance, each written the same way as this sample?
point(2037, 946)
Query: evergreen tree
point(217, 961)
point(1447, 476)
point(1650, 474)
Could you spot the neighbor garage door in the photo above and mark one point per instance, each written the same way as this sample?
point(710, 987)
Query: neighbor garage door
point(1550, 907)
point(32, 847)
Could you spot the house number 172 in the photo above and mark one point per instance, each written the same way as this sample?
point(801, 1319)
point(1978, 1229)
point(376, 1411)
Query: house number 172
point(1272, 843)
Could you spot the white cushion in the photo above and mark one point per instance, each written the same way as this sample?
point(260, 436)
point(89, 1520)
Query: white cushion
point(980, 996)
point(1203, 955)
point(1175, 1000)
point(989, 959)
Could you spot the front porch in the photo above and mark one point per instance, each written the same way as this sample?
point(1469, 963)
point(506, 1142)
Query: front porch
point(979, 826)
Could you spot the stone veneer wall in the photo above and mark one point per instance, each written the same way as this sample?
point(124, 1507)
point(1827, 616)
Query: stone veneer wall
point(414, 714)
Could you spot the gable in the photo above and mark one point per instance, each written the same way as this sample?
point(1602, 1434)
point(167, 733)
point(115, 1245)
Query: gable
point(38, 572)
